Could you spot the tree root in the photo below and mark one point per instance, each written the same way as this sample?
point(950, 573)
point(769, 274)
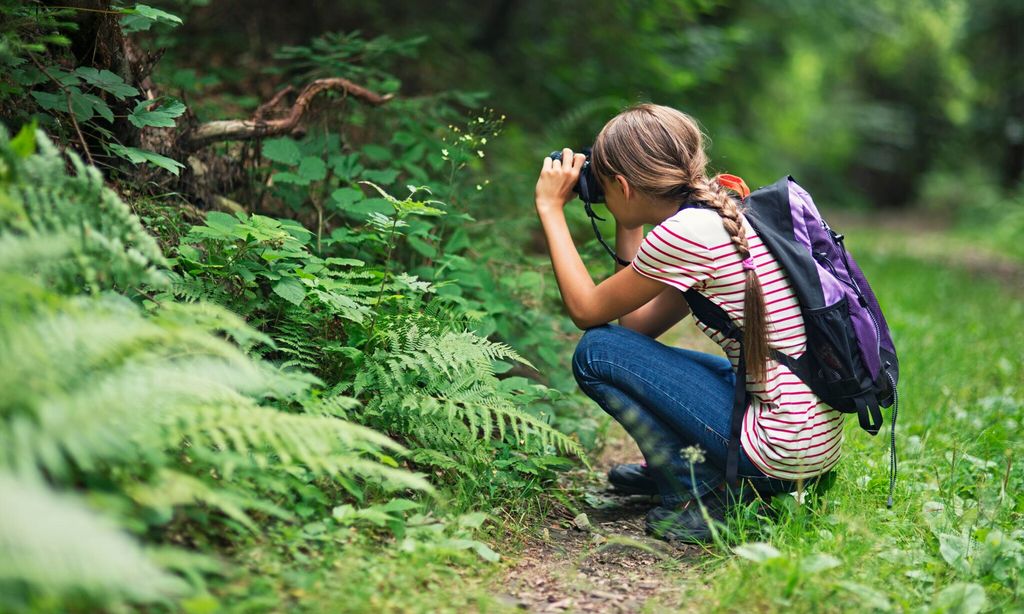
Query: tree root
point(242, 129)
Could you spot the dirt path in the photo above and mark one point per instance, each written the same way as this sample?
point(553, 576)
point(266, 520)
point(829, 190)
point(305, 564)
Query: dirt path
point(915, 235)
point(603, 562)
point(597, 558)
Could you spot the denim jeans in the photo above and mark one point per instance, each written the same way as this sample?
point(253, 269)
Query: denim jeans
point(668, 399)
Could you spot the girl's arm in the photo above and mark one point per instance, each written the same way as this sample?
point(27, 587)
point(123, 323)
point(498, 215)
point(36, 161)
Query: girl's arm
point(660, 314)
point(588, 305)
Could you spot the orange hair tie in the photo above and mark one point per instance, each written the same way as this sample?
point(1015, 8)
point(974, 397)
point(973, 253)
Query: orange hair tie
point(734, 183)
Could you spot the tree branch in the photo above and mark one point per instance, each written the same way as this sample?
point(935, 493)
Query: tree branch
point(242, 129)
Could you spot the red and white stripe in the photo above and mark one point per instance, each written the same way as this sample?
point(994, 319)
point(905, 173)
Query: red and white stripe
point(787, 431)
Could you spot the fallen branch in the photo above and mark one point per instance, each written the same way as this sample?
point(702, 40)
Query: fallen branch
point(243, 129)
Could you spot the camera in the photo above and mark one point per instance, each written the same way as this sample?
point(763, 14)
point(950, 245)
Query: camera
point(588, 187)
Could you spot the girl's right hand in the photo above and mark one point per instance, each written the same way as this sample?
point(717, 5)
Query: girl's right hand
point(556, 181)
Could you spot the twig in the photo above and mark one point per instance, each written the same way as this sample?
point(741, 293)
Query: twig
point(264, 109)
point(71, 110)
point(241, 129)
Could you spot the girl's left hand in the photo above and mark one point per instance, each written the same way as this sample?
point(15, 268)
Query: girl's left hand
point(557, 179)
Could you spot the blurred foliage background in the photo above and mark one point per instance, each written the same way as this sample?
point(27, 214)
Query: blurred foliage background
point(876, 105)
point(870, 101)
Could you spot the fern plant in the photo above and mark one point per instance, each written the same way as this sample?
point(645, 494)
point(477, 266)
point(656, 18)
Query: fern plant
point(438, 389)
point(152, 412)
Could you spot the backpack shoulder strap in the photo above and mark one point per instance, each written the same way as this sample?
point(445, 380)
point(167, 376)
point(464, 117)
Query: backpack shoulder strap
point(715, 317)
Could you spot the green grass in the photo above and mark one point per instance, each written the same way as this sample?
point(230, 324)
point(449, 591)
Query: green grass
point(953, 540)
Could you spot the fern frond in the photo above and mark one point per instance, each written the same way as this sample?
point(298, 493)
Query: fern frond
point(57, 545)
point(111, 248)
point(422, 372)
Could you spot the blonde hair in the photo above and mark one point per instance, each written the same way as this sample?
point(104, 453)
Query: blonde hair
point(660, 152)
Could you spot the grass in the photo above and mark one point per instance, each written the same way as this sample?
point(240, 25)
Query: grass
point(953, 540)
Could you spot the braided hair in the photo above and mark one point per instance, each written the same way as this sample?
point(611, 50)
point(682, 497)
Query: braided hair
point(660, 151)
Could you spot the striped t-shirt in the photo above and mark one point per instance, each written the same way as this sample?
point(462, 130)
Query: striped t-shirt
point(788, 432)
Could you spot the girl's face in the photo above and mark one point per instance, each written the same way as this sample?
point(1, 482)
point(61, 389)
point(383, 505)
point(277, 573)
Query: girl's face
point(621, 201)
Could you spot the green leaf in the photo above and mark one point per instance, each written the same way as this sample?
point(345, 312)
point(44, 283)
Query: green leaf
point(376, 153)
point(138, 156)
point(283, 150)
point(485, 552)
point(142, 16)
point(758, 552)
point(400, 505)
point(954, 549)
point(222, 222)
point(106, 81)
point(817, 563)
point(312, 168)
point(50, 102)
point(422, 248)
point(344, 198)
point(961, 598)
point(99, 106)
point(24, 143)
point(344, 262)
point(81, 105)
point(871, 598)
point(161, 116)
point(385, 176)
point(291, 290)
point(287, 177)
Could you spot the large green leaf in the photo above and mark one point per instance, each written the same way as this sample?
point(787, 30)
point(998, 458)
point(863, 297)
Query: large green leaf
point(291, 290)
point(138, 156)
point(142, 17)
point(283, 150)
point(161, 116)
point(106, 81)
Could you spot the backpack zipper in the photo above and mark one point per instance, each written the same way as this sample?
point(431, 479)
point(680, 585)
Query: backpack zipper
point(838, 240)
point(823, 257)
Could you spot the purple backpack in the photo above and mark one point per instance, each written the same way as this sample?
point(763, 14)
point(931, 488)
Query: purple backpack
point(850, 362)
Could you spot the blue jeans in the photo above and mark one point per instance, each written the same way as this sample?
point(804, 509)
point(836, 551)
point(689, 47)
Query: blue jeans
point(668, 399)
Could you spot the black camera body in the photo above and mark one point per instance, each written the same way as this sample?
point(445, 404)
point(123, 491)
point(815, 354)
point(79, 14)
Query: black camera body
point(590, 191)
point(588, 187)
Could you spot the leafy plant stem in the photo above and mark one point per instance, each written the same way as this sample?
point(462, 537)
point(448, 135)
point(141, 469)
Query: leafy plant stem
point(383, 280)
point(71, 111)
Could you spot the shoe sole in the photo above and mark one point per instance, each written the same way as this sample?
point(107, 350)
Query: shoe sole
point(628, 490)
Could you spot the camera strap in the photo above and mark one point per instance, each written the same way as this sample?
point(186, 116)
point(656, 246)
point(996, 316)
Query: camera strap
point(597, 232)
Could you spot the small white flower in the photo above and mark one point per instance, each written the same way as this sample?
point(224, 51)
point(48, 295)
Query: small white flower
point(480, 153)
point(694, 454)
point(479, 187)
point(483, 140)
point(444, 152)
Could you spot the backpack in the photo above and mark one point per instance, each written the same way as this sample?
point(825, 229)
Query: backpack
point(850, 362)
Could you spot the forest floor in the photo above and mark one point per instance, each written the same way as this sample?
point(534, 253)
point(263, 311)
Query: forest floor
point(597, 558)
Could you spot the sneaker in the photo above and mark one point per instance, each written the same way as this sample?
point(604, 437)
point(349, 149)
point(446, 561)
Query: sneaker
point(686, 523)
point(632, 479)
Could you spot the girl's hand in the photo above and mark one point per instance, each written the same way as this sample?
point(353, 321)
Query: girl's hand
point(557, 179)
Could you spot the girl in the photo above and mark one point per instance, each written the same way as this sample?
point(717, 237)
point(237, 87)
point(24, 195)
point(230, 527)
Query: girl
point(650, 161)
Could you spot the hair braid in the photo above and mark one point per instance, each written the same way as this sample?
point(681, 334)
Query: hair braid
point(755, 321)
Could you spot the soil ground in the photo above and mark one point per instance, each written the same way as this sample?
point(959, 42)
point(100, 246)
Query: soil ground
point(604, 563)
